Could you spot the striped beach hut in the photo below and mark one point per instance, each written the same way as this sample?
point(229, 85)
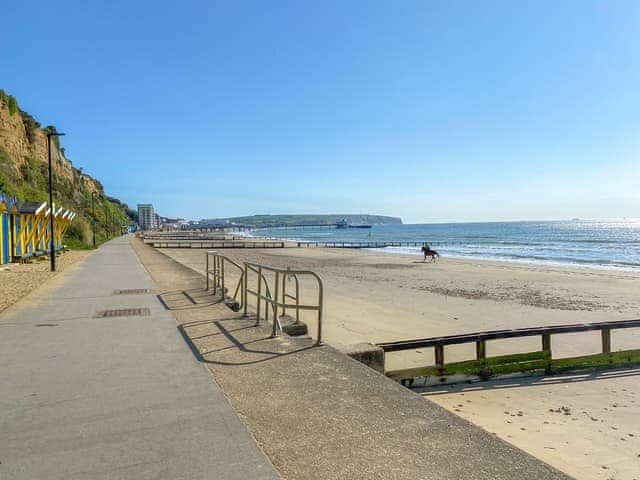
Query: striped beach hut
point(4, 229)
point(25, 228)
point(30, 226)
point(61, 220)
point(8, 210)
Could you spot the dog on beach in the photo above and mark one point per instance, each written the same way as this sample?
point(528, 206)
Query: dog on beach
point(430, 253)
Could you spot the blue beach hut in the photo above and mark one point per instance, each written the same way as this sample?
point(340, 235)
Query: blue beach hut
point(5, 231)
point(9, 228)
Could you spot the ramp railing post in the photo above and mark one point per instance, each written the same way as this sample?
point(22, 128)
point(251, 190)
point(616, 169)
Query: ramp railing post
point(244, 290)
point(606, 340)
point(259, 295)
point(223, 294)
point(207, 267)
point(274, 330)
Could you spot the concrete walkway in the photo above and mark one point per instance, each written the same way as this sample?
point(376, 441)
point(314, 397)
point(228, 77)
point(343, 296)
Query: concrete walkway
point(321, 415)
point(119, 397)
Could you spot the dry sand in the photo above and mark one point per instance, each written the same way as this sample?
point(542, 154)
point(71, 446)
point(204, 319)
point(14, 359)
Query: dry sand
point(373, 297)
point(17, 280)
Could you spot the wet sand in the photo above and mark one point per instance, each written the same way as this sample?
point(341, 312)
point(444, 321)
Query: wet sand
point(374, 297)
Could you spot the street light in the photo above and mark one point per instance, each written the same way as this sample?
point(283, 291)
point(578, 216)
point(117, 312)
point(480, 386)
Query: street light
point(93, 214)
point(53, 249)
point(108, 215)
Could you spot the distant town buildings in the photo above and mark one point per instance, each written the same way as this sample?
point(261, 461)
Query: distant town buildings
point(171, 223)
point(147, 219)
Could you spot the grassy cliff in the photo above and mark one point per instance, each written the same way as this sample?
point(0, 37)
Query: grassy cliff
point(24, 173)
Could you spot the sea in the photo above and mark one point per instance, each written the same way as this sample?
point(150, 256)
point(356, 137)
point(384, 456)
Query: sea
point(611, 245)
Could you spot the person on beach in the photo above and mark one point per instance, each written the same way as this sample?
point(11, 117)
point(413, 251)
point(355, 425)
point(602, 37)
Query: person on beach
point(428, 252)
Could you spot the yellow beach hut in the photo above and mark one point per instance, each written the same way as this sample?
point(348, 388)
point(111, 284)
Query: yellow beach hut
point(29, 228)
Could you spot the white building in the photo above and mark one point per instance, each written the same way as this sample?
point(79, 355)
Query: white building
point(147, 219)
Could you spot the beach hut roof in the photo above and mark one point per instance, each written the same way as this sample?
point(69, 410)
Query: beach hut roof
point(31, 207)
point(12, 205)
point(3, 202)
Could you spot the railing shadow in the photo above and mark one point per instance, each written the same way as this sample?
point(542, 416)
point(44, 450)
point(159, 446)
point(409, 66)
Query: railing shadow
point(237, 344)
point(186, 300)
point(530, 381)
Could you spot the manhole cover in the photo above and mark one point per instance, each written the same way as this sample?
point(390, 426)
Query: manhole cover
point(123, 312)
point(132, 291)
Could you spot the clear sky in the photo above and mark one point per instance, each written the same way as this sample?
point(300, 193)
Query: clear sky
point(429, 110)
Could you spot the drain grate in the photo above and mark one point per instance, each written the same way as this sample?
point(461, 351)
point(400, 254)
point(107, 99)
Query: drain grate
point(131, 291)
point(123, 312)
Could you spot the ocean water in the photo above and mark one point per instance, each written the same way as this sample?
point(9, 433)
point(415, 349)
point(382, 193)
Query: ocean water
point(596, 244)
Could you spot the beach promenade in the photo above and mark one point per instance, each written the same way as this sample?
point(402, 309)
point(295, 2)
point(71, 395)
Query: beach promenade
point(86, 393)
point(111, 398)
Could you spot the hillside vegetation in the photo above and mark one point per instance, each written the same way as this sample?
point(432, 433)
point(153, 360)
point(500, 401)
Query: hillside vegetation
point(24, 173)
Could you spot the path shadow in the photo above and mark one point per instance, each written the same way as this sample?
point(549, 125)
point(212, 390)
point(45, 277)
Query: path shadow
point(530, 381)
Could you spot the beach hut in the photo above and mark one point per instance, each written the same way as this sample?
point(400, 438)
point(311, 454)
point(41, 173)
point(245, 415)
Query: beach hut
point(61, 222)
point(29, 227)
point(25, 228)
point(8, 211)
point(4, 229)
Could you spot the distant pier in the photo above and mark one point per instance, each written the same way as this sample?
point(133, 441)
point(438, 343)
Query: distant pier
point(212, 241)
point(357, 244)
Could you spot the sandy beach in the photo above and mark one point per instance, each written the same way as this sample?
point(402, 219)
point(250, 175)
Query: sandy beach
point(18, 280)
point(585, 425)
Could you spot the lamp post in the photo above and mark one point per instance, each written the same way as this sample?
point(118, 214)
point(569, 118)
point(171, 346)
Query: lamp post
point(108, 223)
point(93, 215)
point(53, 248)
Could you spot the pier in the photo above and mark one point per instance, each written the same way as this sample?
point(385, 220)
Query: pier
point(213, 241)
point(357, 244)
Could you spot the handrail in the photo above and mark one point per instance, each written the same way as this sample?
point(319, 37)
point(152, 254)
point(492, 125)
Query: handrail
point(502, 334)
point(215, 268)
point(515, 362)
point(279, 299)
point(275, 299)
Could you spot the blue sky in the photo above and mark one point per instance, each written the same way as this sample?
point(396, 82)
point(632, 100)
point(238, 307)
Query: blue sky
point(429, 110)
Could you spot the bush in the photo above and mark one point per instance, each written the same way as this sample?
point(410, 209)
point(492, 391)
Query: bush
point(79, 231)
point(12, 104)
point(9, 101)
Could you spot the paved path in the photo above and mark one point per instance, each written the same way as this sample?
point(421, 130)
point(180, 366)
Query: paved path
point(321, 415)
point(111, 398)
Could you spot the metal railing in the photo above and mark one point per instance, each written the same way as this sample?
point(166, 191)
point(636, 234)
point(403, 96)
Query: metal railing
point(274, 296)
point(215, 275)
point(542, 359)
